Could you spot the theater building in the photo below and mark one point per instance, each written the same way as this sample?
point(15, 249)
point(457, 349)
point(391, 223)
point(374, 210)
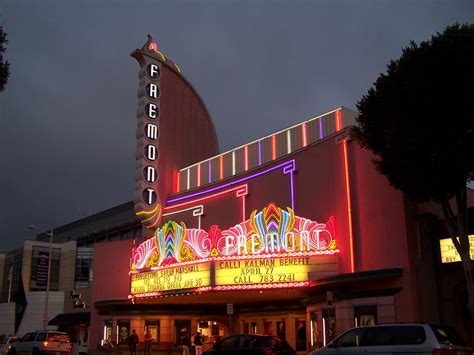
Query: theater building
point(294, 234)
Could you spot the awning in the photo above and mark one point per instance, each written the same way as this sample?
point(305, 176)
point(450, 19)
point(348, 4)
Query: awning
point(71, 318)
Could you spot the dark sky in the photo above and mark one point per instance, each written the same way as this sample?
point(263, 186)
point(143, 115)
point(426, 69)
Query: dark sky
point(68, 114)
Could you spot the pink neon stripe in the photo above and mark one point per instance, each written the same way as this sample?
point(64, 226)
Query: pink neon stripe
point(199, 175)
point(305, 137)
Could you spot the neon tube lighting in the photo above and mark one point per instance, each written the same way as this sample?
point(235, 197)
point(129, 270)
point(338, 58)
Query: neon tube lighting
point(246, 157)
point(262, 138)
point(288, 142)
point(259, 152)
point(188, 179)
point(338, 121)
point(274, 154)
point(321, 128)
point(304, 134)
point(289, 163)
point(177, 181)
point(237, 188)
point(349, 208)
point(221, 166)
point(199, 175)
point(233, 162)
point(209, 173)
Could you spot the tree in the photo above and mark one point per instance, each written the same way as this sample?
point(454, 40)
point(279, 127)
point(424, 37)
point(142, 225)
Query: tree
point(4, 66)
point(418, 119)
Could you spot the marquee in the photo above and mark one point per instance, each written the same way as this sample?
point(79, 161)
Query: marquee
point(273, 248)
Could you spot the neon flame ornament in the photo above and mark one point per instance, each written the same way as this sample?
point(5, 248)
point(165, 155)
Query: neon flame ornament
point(271, 232)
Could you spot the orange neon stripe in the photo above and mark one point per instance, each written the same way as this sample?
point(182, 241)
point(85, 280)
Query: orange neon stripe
point(246, 157)
point(274, 153)
point(349, 208)
point(199, 175)
point(237, 188)
point(177, 181)
point(338, 120)
point(305, 137)
point(221, 169)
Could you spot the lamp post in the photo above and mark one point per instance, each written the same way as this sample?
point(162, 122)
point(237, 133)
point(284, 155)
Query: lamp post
point(46, 299)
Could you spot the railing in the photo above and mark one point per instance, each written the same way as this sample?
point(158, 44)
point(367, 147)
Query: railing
point(264, 150)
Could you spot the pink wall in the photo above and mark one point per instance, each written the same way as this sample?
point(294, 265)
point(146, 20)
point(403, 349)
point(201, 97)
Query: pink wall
point(187, 134)
point(384, 234)
point(111, 266)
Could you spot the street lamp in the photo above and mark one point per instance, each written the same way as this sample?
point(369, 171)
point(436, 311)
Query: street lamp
point(46, 299)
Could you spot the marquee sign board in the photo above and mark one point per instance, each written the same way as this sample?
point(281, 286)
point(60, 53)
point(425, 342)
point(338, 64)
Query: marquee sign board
point(275, 270)
point(449, 254)
point(274, 248)
point(181, 277)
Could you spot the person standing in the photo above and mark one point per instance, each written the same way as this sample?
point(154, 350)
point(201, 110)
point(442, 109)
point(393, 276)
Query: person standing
point(133, 343)
point(185, 343)
point(198, 343)
point(148, 342)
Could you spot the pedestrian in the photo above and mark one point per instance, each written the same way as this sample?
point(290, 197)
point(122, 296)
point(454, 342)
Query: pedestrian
point(83, 344)
point(133, 343)
point(198, 343)
point(185, 343)
point(148, 342)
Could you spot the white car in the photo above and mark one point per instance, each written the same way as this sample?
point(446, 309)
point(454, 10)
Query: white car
point(42, 342)
point(6, 343)
point(391, 339)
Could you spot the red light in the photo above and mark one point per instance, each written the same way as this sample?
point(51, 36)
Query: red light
point(177, 181)
point(305, 135)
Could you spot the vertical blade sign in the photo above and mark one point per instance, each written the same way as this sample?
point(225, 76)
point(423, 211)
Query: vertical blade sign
point(146, 198)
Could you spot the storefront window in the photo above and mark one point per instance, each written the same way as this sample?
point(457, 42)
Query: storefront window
point(154, 327)
point(365, 315)
point(281, 329)
point(181, 328)
point(300, 331)
point(123, 331)
point(316, 341)
point(329, 325)
point(253, 328)
point(107, 330)
point(268, 327)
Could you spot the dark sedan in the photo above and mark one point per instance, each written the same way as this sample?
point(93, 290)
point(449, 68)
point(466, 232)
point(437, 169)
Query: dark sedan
point(251, 344)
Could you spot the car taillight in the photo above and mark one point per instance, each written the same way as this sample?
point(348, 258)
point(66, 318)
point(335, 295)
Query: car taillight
point(45, 344)
point(70, 347)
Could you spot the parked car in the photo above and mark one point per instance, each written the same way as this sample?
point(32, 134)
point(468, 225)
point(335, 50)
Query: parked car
point(42, 342)
point(251, 344)
point(398, 339)
point(6, 343)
